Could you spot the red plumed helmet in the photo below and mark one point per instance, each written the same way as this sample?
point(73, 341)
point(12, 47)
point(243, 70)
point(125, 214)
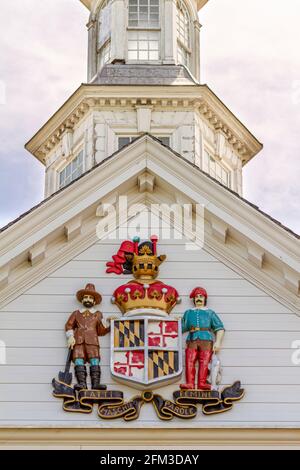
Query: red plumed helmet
point(198, 291)
point(127, 246)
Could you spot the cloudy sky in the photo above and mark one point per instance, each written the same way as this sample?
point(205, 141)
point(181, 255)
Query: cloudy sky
point(250, 59)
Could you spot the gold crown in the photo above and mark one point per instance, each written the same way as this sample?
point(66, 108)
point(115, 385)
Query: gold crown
point(146, 266)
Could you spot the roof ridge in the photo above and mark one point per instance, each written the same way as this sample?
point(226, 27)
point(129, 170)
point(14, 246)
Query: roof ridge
point(255, 207)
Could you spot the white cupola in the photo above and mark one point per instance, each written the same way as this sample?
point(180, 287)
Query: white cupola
point(143, 68)
point(144, 32)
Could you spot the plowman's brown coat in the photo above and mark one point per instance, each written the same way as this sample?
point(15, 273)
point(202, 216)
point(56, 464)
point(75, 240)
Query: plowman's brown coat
point(87, 327)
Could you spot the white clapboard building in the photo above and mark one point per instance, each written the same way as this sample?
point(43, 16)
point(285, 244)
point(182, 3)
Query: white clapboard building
point(144, 127)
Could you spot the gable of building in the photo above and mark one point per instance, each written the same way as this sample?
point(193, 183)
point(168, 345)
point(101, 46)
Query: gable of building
point(236, 232)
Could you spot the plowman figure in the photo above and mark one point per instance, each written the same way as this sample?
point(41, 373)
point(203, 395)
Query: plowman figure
point(82, 331)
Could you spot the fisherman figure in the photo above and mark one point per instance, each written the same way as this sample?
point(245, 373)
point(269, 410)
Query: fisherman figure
point(206, 332)
point(82, 331)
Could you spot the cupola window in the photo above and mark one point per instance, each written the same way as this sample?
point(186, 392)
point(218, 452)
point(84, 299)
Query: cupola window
point(104, 36)
point(105, 54)
point(143, 13)
point(72, 171)
point(143, 30)
point(216, 170)
point(123, 141)
point(183, 34)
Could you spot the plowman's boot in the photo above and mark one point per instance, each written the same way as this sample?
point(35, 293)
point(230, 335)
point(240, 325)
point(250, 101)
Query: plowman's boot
point(204, 360)
point(81, 374)
point(190, 369)
point(95, 377)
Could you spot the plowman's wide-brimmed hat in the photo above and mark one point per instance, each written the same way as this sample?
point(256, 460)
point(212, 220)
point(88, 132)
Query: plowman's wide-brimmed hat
point(90, 289)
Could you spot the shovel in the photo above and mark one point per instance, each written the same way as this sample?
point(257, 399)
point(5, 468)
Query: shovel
point(66, 376)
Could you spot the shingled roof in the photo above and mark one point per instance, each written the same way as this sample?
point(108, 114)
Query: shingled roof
point(155, 75)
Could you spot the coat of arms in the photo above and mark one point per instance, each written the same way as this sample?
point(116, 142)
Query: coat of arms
point(146, 345)
point(146, 341)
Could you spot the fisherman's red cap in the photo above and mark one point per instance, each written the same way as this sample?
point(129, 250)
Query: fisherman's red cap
point(198, 291)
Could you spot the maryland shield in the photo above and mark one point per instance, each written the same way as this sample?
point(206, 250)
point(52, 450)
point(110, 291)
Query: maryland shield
point(146, 351)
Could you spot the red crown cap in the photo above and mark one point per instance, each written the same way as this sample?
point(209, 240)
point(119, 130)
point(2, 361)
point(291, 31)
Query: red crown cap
point(135, 295)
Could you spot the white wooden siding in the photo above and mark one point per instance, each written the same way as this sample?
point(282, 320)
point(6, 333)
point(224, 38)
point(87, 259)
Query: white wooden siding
point(53, 356)
point(257, 346)
point(233, 339)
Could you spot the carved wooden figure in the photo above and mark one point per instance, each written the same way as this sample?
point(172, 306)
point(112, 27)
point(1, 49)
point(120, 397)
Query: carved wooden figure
point(82, 331)
point(204, 326)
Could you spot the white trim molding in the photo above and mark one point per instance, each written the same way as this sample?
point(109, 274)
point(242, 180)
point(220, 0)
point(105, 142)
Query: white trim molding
point(156, 437)
point(88, 99)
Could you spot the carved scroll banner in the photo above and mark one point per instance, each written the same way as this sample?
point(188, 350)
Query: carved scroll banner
point(212, 401)
point(111, 404)
point(167, 409)
point(84, 400)
point(129, 411)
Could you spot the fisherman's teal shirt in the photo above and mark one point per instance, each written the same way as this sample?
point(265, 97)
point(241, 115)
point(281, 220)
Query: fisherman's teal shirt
point(198, 318)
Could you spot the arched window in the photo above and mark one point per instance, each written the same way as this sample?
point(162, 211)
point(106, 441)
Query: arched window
point(183, 34)
point(143, 34)
point(104, 33)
